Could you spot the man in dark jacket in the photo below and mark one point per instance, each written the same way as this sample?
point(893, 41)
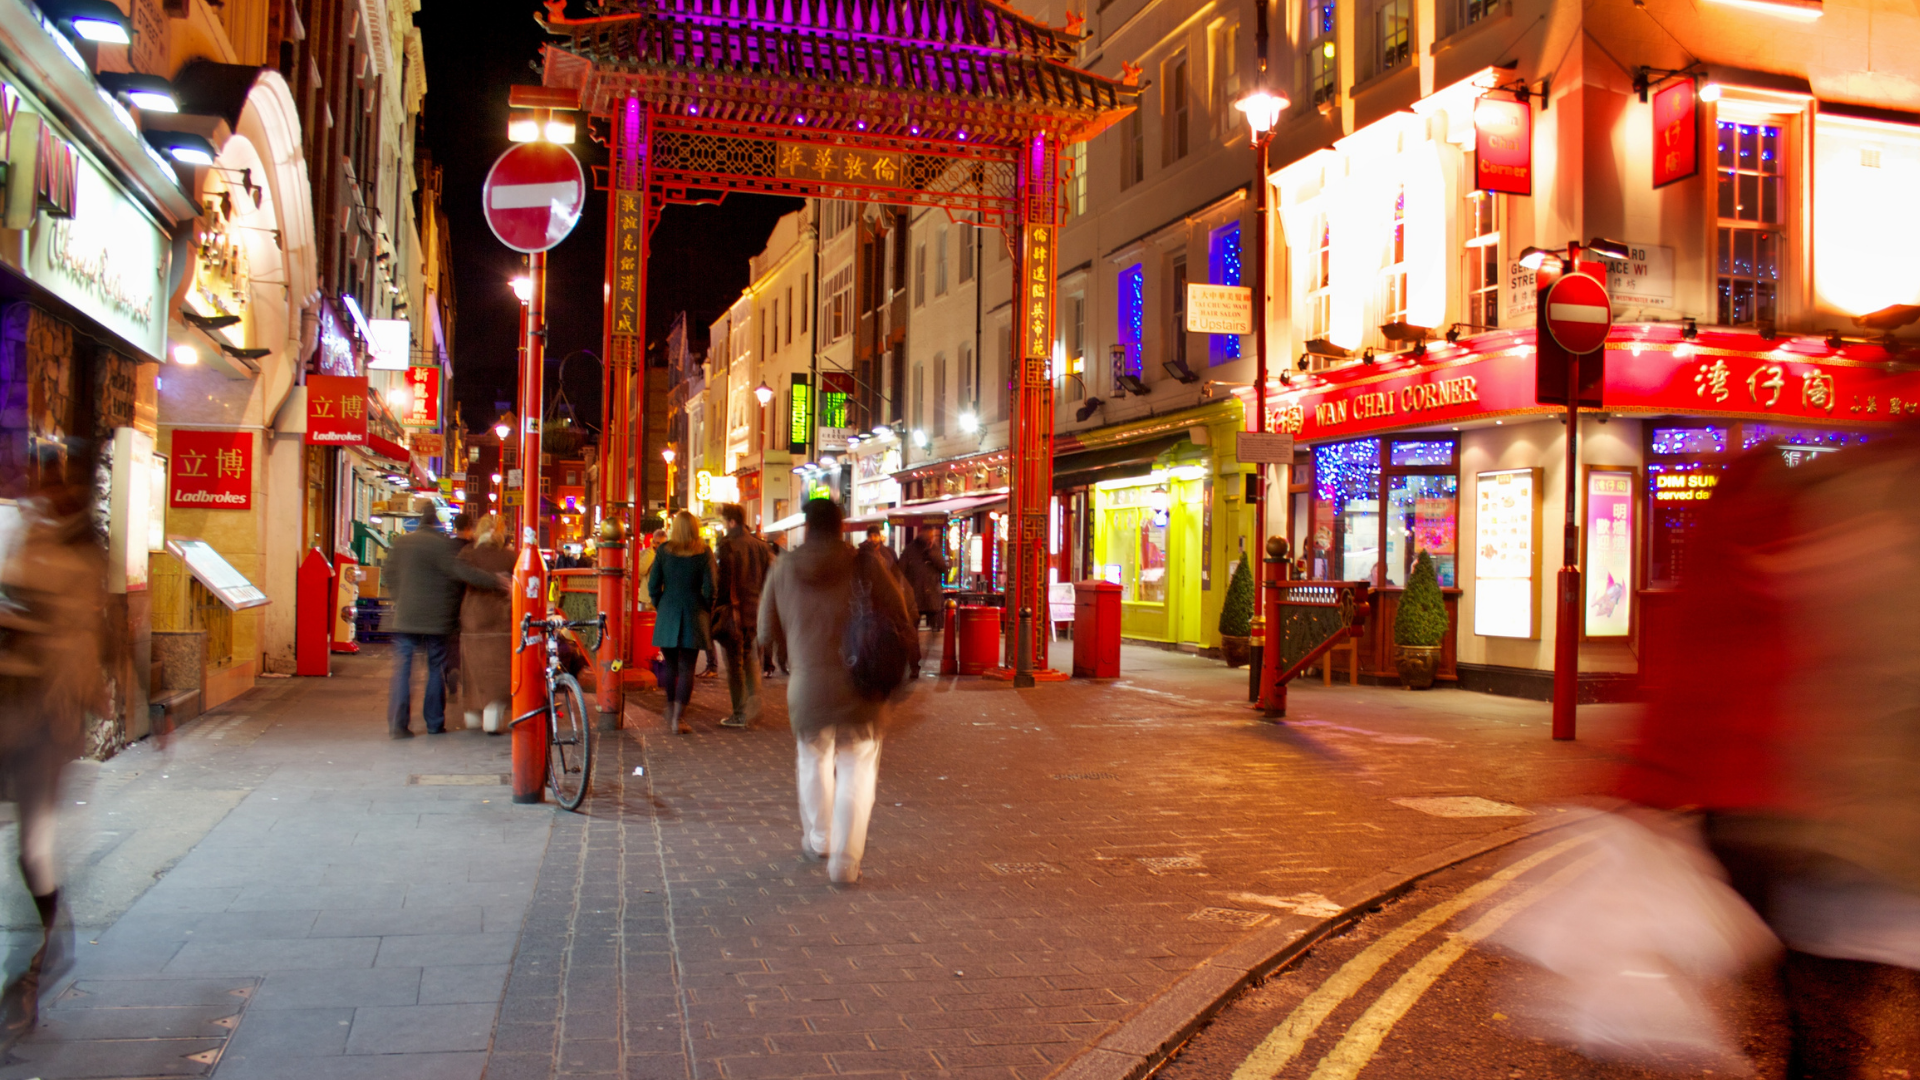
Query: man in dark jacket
point(743, 559)
point(876, 546)
point(924, 566)
point(425, 581)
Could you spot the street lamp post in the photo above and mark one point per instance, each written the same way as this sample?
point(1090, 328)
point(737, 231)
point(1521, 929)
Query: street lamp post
point(1262, 108)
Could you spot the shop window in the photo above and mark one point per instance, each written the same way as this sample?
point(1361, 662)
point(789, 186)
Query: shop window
point(1483, 261)
point(1323, 71)
point(1134, 554)
point(1354, 538)
point(1395, 303)
point(1177, 323)
point(1346, 511)
point(1752, 207)
point(1393, 32)
point(1223, 267)
point(1133, 317)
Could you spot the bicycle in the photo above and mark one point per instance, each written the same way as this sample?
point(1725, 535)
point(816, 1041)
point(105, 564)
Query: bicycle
point(569, 732)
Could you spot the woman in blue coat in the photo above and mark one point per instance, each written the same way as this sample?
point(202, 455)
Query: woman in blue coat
point(681, 584)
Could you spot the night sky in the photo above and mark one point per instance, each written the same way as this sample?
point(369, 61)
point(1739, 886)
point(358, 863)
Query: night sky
point(474, 50)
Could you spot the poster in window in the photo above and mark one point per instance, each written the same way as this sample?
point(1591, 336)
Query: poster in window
point(1676, 133)
point(1506, 554)
point(1503, 145)
point(1606, 566)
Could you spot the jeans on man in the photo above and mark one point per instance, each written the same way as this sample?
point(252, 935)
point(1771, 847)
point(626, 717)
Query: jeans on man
point(743, 677)
point(400, 693)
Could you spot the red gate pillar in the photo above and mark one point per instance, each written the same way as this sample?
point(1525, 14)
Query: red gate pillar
point(528, 679)
point(612, 553)
point(1031, 235)
point(629, 227)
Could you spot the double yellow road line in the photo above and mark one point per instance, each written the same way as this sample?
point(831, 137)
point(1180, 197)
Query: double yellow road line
point(1362, 1040)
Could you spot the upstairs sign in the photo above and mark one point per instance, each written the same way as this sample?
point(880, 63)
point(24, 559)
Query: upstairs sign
point(533, 196)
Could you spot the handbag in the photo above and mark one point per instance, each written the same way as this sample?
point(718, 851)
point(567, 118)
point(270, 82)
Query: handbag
point(873, 647)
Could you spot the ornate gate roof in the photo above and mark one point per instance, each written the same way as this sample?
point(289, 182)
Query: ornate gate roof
point(973, 72)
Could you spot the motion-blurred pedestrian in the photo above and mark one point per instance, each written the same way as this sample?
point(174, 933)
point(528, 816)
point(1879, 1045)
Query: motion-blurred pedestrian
point(427, 581)
point(744, 559)
point(486, 631)
point(463, 525)
point(681, 584)
point(876, 545)
point(807, 604)
point(54, 656)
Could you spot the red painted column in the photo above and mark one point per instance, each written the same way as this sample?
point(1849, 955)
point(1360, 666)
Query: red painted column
point(528, 681)
point(1032, 233)
point(612, 555)
point(1273, 693)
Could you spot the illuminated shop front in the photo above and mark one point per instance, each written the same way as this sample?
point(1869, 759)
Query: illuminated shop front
point(1449, 453)
point(1148, 539)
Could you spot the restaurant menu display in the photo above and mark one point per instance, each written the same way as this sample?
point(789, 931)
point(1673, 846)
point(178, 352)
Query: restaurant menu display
point(1607, 569)
point(217, 574)
point(1506, 546)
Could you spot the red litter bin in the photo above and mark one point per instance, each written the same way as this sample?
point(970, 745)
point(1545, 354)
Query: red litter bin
point(1096, 630)
point(977, 634)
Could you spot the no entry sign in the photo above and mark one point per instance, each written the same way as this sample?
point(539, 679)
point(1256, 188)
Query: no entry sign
point(534, 195)
point(1579, 313)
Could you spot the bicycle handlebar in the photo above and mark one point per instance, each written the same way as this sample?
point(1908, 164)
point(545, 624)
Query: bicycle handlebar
point(553, 624)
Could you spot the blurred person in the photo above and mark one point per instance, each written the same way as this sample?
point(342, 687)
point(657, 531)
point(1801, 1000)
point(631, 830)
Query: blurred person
point(681, 584)
point(923, 566)
point(486, 630)
point(1793, 727)
point(53, 665)
point(425, 579)
point(650, 536)
point(836, 729)
point(774, 656)
point(463, 536)
point(876, 546)
point(743, 559)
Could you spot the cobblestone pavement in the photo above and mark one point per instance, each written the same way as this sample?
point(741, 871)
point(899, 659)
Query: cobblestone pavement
point(1041, 864)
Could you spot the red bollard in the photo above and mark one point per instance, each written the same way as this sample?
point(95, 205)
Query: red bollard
point(612, 554)
point(1273, 695)
point(949, 647)
point(529, 676)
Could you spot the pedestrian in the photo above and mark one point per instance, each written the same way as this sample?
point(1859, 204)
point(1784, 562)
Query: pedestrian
point(876, 546)
point(837, 730)
point(650, 537)
point(51, 669)
point(774, 656)
point(681, 584)
point(426, 580)
point(463, 524)
point(924, 567)
point(744, 560)
point(486, 631)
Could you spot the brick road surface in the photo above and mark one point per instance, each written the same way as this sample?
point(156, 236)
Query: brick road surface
point(284, 892)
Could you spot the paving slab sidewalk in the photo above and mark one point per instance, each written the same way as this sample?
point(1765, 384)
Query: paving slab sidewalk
point(1043, 865)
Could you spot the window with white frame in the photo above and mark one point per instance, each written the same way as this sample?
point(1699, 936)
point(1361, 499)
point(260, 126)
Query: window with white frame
point(919, 275)
point(1320, 279)
point(968, 238)
point(1394, 302)
point(1750, 243)
point(1133, 150)
point(1076, 181)
point(805, 305)
point(940, 261)
point(1073, 342)
point(839, 304)
point(1322, 68)
point(1392, 34)
point(1482, 260)
point(939, 394)
point(968, 397)
point(917, 417)
point(1177, 321)
point(1223, 48)
point(1174, 111)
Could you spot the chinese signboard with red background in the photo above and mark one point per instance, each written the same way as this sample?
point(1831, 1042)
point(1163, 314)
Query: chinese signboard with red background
point(1503, 145)
point(625, 294)
point(1036, 300)
point(336, 410)
point(211, 470)
point(423, 398)
point(1676, 133)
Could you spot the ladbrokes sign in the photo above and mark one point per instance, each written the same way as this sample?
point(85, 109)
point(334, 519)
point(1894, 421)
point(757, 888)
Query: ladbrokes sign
point(210, 470)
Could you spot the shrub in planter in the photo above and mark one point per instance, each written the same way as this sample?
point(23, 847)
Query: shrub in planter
point(1236, 614)
point(1420, 626)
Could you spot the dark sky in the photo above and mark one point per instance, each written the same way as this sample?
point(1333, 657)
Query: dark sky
point(474, 50)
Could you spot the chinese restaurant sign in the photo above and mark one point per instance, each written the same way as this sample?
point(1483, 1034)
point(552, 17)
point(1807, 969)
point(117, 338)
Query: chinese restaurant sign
point(839, 164)
point(625, 295)
point(211, 470)
point(1608, 567)
point(1503, 145)
point(800, 414)
point(1686, 379)
point(336, 410)
point(1036, 302)
point(423, 398)
point(1676, 133)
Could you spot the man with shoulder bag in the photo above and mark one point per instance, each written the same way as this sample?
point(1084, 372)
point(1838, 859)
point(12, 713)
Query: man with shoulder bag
point(743, 559)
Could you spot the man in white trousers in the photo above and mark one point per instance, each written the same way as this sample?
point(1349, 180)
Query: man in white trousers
point(837, 730)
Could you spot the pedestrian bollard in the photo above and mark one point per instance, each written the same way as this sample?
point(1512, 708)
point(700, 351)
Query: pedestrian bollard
point(1023, 652)
point(949, 646)
point(528, 679)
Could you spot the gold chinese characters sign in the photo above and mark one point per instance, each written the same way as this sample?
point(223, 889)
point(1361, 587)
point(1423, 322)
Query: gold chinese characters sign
point(210, 470)
point(628, 223)
point(1036, 296)
point(839, 165)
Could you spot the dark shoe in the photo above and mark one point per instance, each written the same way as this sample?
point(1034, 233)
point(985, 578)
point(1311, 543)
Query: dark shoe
point(399, 733)
point(441, 730)
point(735, 722)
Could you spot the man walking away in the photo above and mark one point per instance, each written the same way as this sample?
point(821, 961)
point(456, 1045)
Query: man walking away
point(924, 566)
point(744, 559)
point(876, 546)
point(426, 582)
point(836, 729)
point(463, 525)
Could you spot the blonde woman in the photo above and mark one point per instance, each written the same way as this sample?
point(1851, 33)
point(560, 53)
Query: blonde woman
point(486, 631)
point(681, 584)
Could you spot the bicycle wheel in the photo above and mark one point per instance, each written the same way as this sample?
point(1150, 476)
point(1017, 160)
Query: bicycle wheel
point(570, 750)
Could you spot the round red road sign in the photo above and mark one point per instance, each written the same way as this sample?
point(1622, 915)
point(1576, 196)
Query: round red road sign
point(533, 196)
point(1579, 314)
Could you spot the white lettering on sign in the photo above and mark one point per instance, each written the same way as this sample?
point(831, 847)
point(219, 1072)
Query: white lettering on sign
point(1519, 295)
point(1219, 309)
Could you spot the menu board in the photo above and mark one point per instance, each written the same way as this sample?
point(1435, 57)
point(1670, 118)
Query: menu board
point(1606, 566)
point(1506, 554)
point(217, 574)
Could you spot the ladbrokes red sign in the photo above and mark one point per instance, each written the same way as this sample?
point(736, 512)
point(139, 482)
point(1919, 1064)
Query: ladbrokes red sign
point(211, 470)
point(336, 410)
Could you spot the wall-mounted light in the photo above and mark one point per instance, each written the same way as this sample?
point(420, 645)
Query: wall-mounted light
point(98, 21)
point(185, 355)
point(920, 438)
point(150, 93)
point(182, 146)
point(1533, 258)
point(969, 422)
point(668, 455)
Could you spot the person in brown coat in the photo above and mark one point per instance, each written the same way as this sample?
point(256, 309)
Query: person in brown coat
point(743, 562)
point(486, 631)
point(836, 730)
point(55, 654)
